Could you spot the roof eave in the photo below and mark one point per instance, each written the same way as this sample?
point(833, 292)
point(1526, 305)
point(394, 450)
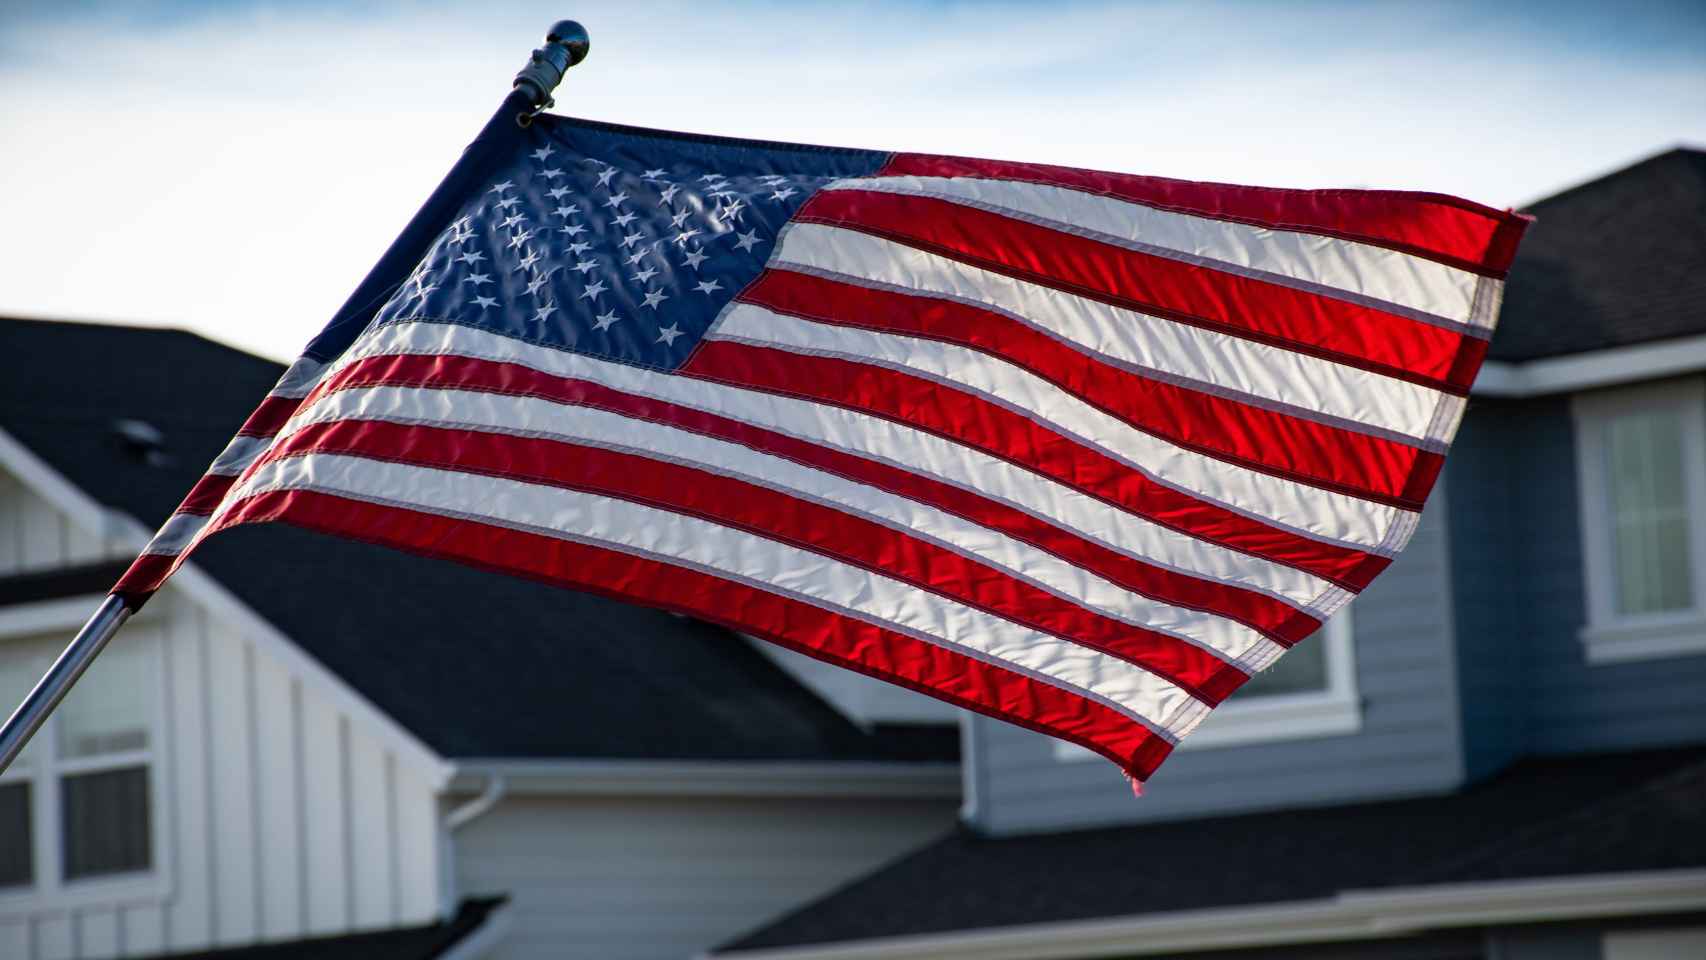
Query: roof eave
point(712, 778)
point(1592, 369)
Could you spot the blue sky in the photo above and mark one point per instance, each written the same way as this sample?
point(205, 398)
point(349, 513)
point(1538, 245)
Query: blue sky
point(236, 167)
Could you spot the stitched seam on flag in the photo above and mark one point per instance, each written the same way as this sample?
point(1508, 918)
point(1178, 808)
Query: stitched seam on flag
point(1199, 260)
point(1282, 473)
point(1254, 654)
point(1128, 366)
point(525, 338)
point(1195, 691)
point(1502, 220)
point(1299, 616)
point(1158, 726)
point(472, 353)
point(559, 119)
point(1135, 305)
point(707, 614)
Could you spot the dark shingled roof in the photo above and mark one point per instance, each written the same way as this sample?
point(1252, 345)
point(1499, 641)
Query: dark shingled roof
point(1647, 811)
point(474, 663)
point(406, 943)
point(1614, 262)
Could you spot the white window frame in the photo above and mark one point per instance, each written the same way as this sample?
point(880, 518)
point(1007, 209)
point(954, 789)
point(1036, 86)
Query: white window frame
point(50, 890)
point(1333, 711)
point(1608, 636)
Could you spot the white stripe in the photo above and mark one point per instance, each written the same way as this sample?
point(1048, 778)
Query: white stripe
point(299, 378)
point(175, 534)
point(238, 454)
point(1216, 361)
point(884, 441)
point(535, 417)
point(778, 567)
point(1364, 270)
point(1326, 514)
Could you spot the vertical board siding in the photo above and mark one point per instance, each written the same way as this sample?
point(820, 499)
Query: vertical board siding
point(1533, 690)
point(1407, 743)
point(279, 818)
point(621, 878)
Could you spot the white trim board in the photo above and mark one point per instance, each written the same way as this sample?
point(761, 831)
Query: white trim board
point(708, 778)
point(200, 587)
point(1351, 915)
point(1595, 368)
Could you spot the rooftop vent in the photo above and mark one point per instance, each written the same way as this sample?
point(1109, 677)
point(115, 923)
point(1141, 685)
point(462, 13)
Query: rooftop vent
point(143, 441)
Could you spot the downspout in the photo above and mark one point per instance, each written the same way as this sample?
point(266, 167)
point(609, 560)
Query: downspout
point(453, 821)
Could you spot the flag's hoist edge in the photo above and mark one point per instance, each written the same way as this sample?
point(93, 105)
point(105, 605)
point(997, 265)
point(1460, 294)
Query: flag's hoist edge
point(1078, 450)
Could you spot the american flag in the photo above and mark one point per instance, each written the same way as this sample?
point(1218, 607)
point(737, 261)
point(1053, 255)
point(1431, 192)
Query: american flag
point(1079, 450)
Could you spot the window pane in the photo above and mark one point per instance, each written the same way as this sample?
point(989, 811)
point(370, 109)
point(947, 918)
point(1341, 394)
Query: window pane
point(1303, 669)
point(1649, 512)
point(107, 711)
point(106, 822)
point(15, 843)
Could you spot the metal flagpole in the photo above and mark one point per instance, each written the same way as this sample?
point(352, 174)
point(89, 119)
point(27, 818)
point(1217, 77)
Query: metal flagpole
point(565, 45)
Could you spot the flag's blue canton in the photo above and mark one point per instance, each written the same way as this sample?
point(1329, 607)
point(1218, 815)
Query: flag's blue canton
point(615, 245)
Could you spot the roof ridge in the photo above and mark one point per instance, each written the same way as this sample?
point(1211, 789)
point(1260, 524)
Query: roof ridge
point(1630, 167)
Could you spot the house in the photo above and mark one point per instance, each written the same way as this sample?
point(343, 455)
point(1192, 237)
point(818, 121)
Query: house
point(1499, 752)
point(306, 747)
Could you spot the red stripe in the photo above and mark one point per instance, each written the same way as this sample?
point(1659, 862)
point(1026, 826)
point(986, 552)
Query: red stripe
point(1258, 310)
point(1000, 432)
point(1268, 614)
point(204, 497)
point(1292, 447)
point(776, 516)
point(834, 638)
point(269, 416)
point(143, 577)
point(1438, 227)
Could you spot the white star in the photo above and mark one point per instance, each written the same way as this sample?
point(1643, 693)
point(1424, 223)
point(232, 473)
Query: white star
point(638, 255)
point(616, 200)
point(459, 237)
point(551, 174)
point(707, 178)
point(557, 193)
point(730, 211)
point(654, 173)
point(668, 334)
point(685, 235)
point(585, 267)
point(572, 229)
point(540, 314)
point(592, 290)
point(632, 239)
point(500, 188)
point(772, 180)
point(543, 153)
point(512, 220)
point(645, 276)
point(477, 278)
point(507, 202)
point(460, 225)
point(472, 256)
point(567, 211)
point(422, 291)
point(747, 240)
point(680, 218)
point(579, 247)
point(537, 282)
point(484, 302)
point(668, 196)
point(520, 238)
point(653, 298)
point(624, 219)
point(720, 194)
point(604, 320)
point(695, 258)
point(528, 261)
point(605, 175)
point(783, 194)
point(707, 286)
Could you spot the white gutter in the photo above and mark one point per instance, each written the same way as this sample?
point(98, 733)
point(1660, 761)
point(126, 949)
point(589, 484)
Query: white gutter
point(1596, 368)
point(477, 807)
point(1352, 915)
point(710, 778)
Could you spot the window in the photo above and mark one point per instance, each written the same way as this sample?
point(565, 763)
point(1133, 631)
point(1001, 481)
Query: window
point(78, 805)
point(1309, 692)
point(1641, 472)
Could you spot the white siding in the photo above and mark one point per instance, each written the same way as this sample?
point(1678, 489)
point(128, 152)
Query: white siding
point(278, 817)
point(631, 878)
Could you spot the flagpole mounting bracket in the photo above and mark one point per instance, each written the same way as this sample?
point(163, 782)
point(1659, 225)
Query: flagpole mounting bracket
point(565, 45)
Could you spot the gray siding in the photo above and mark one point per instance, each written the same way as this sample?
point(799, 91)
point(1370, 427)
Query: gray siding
point(1518, 579)
point(1408, 742)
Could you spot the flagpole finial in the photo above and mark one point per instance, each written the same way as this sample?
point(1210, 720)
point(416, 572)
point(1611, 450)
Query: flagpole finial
point(565, 45)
